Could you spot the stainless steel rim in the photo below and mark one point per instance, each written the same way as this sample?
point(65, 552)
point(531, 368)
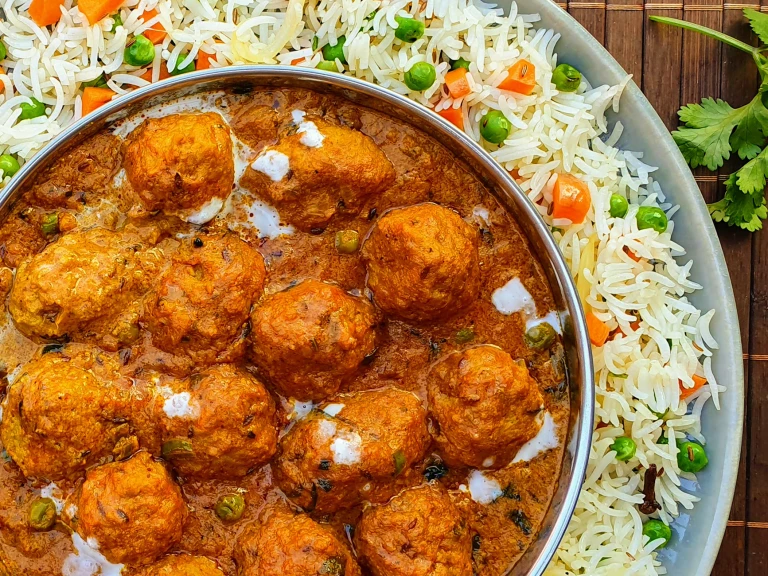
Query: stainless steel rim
point(576, 339)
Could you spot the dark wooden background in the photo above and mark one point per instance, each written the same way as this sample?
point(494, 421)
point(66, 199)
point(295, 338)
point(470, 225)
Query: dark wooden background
point(674, 68)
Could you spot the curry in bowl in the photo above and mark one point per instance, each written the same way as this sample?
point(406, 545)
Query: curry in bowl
point(273, 333)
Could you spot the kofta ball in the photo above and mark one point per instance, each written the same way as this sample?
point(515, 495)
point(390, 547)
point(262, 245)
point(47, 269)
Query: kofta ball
point(419, 532)
point(310, 339)
point(317, 170)
point(200, 308)
point(66, 411)
point(422, 263)
point(85, 286)
point(485, 406)
point(292, 545)
point(219, 423)
point(131, 511)
point(181, 565)
point(355, 447)
point(181, 164)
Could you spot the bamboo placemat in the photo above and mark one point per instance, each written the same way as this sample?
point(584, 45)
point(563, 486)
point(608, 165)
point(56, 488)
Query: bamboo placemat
point(675, 67)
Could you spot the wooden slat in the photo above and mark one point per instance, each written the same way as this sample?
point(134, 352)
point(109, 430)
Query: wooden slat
point(701, 66)
point(624, 35)
point(743, 523)
point(662, 55)
point(756, 549)
point(738, 83)
point(591, 15)
point(757, 417)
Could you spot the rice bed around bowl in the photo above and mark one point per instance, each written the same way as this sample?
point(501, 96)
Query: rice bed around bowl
point(629, 278)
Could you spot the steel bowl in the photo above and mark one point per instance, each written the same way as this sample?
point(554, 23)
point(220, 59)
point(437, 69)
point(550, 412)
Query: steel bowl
point(578, 355)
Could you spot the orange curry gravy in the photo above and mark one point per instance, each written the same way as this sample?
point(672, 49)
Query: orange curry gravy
point(85, 188)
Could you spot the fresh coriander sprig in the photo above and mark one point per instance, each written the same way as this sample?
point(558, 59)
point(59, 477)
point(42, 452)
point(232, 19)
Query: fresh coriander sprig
point(713, 129)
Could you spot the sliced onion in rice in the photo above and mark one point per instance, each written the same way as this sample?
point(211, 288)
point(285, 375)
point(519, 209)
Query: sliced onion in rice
point(260, 53)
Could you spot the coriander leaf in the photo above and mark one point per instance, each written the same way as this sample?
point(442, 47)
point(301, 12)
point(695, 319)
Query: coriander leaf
point(705, 140)
point(739, 209)
point(762, 67)
point(748, 137)
point(704, 146)
point(756, 223)
point(751, 177)
point(717, 210)
point(709, 113)
point(759, 23)
point(746, 215)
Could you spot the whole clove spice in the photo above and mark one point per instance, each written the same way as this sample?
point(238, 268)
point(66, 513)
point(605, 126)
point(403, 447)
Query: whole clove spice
point(649, 505)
